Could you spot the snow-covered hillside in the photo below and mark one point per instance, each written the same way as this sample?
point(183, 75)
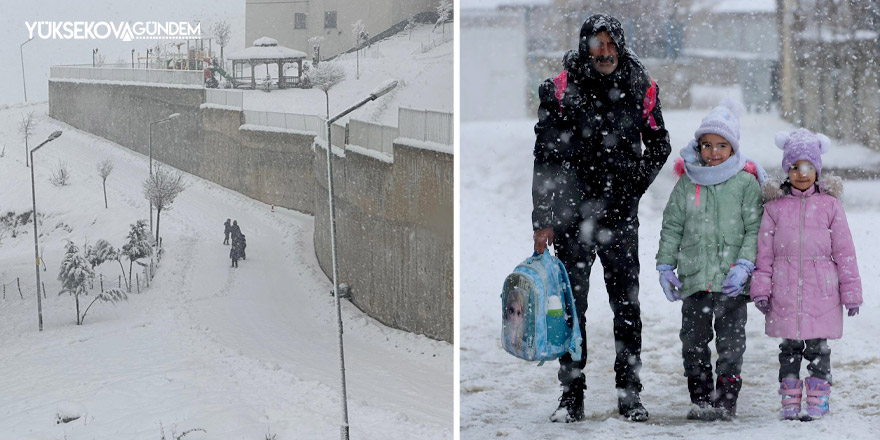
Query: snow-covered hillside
point(240, 353)
point(421, 61)
point(503, 397)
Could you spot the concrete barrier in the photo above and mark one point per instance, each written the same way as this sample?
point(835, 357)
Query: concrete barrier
point(395, 218)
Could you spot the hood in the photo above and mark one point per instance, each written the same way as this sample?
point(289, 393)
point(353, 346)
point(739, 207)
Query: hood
point(831, 185)
point(598, 23)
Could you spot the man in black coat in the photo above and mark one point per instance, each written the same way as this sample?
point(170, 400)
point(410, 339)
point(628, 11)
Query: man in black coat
point(227, 228)
point(590, 172)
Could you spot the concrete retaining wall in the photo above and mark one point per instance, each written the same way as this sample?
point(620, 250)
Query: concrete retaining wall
point(394, 226)
point(394, 220)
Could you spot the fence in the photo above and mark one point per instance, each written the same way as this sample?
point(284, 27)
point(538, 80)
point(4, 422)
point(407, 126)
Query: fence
point(161, 76)
point(426, 125)
point(372, 136)
point(232, 98)
point(290, 121)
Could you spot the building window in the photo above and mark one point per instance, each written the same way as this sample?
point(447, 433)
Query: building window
point(329, 19)
point(299, 21)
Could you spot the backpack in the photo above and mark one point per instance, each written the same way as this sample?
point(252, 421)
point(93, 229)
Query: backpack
point(539, 322)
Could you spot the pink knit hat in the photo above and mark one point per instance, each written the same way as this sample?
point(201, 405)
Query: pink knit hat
point(802, 144)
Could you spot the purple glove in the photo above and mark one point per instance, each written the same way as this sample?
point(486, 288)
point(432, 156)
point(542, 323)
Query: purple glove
point(736, 279)
point(852, 310)
point(669, 282)
point(763, 304)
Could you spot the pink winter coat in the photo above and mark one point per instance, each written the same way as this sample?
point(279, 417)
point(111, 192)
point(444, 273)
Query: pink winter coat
point(806, 262)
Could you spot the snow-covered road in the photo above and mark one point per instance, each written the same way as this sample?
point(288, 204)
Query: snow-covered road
point(238, 352)
point(502, 396)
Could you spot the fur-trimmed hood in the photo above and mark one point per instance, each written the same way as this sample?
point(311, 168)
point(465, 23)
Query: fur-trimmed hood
point(828, 184)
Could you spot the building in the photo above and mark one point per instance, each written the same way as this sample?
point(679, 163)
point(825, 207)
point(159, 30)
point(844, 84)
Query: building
point(494, 77)
point(295, 22)
point(829, 75)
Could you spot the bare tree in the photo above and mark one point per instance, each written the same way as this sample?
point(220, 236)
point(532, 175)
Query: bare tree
point(161, 189)
point(315, 43)
point(359, 32)
point(222, 32)
point(324, 77)
point(105, 167)
point(26, 130)
point(444, 11)
point(410, 25)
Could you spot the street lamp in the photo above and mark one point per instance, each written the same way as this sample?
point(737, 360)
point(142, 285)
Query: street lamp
point(21, 52)
point(384, 88)
point(51, 137)
point(170, 117)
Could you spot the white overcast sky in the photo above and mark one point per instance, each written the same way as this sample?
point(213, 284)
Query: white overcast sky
point(40, 54)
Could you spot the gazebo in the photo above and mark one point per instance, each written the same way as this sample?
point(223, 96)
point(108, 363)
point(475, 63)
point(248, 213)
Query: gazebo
point(266, 51)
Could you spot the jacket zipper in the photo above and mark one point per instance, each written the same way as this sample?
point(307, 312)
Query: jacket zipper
point(800, 264)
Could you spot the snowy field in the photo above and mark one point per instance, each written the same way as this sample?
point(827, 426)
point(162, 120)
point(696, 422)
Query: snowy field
point(421, 61)
point(504, 397)
point(241, 353)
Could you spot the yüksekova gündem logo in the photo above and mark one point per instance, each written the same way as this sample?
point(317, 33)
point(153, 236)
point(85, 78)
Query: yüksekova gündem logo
point(102, 30)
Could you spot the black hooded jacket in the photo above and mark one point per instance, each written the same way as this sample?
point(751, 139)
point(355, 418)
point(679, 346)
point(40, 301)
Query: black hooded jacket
point(589, 163)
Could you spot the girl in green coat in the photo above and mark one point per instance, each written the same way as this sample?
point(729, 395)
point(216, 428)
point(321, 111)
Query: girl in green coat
point(710, 234)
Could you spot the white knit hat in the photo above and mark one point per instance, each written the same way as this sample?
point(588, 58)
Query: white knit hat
point(723, 121)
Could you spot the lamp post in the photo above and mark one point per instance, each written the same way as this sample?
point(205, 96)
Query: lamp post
point(170, 117)
point(94, 54)
point(132, 58)
point(51, 137)
point(21, 53)
point(384, 88)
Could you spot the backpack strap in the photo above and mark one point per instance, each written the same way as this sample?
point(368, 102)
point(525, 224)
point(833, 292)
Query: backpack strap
point(561, 82)
point(649, 103)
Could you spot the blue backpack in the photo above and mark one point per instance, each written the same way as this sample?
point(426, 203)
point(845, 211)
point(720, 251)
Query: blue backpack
point(539, 322)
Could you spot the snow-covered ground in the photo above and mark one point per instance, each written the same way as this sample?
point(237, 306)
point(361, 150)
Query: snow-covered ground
point(502, 396)
point(420, 61)
point(240, 353)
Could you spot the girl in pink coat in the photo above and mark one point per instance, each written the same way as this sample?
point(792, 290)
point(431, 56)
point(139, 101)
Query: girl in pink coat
point(806, 271)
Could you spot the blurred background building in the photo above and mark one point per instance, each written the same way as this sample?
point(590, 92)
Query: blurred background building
point(814, 61)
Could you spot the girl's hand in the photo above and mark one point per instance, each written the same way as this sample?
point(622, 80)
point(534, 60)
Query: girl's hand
point(852, 311)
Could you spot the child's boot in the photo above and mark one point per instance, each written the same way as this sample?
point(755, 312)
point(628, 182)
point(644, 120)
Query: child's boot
point(818, 392)
point(700, 389)
point(727, 391)
point(790, 390)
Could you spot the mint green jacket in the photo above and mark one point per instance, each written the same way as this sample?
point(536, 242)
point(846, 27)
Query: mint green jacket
point(707, 228)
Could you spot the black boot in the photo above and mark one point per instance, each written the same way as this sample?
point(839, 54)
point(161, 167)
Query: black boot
point(571, 404)
point(630, 406)
point(727, 391)
point(701, 390)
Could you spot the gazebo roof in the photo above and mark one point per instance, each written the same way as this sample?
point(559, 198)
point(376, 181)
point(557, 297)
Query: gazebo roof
point(267, 49)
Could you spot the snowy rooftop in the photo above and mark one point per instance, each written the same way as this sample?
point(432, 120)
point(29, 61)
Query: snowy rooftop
point(266, 48)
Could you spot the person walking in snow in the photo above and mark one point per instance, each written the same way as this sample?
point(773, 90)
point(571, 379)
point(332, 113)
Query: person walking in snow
point(227, 228)
point(806, 271)
point(589, 173)
point(235, 231)
point(710, 236)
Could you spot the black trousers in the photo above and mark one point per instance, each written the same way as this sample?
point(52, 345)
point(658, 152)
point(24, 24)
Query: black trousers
point(618, 251)
point(816, 351)
point(730, 314)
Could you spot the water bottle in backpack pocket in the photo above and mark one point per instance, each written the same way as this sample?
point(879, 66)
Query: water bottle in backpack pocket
point(539, 321)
